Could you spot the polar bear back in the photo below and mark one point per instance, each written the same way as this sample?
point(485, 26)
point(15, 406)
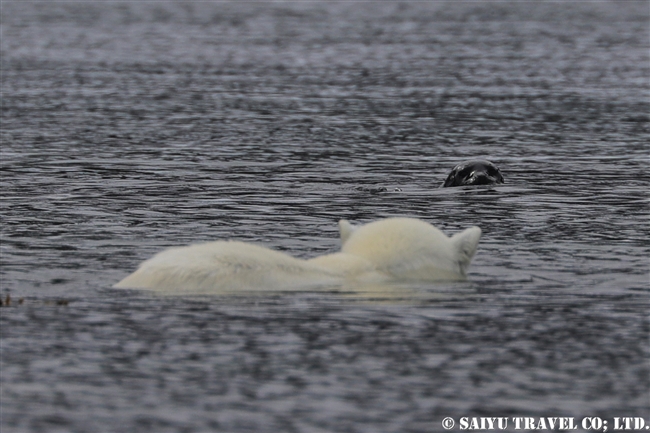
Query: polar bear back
point(225, 266)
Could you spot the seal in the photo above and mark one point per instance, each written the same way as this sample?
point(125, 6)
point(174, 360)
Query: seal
point(478, 172)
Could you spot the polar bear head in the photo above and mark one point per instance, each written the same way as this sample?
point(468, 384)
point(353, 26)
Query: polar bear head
point(407, 248)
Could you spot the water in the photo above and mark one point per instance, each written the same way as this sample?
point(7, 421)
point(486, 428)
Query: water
point(128, 127)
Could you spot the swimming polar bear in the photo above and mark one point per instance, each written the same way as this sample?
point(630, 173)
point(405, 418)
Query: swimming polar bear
point(389, 250)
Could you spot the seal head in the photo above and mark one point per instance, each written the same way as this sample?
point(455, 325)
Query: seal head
point(479, 172)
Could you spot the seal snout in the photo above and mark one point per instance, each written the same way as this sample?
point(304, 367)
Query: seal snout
point(480, 178)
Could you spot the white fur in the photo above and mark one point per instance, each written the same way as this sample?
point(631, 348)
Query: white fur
point(411, 249)
point(394, 249)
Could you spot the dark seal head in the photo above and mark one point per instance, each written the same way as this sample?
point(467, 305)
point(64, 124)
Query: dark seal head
point(479, 172)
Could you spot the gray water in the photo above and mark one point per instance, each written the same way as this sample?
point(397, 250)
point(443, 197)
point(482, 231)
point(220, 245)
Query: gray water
point(129, 127)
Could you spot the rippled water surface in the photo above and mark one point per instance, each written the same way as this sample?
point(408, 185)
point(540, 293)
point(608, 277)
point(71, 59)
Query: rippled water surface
point(128, 127)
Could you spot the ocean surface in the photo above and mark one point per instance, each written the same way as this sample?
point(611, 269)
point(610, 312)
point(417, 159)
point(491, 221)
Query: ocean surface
point(129, 127)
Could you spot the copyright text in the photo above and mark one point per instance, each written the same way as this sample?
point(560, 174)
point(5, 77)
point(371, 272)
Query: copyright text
point(589, 423)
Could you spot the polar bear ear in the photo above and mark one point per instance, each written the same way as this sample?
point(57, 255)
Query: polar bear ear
point(465, 244)
point(346, 229)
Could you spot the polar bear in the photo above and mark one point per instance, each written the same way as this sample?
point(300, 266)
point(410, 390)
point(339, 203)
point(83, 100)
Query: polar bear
point(393, 249)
